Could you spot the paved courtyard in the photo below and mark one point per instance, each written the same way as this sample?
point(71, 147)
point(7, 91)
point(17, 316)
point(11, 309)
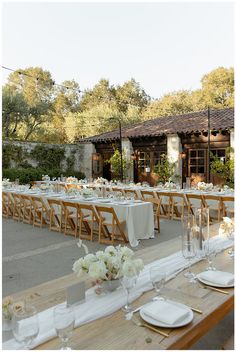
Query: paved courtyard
point(32, 256)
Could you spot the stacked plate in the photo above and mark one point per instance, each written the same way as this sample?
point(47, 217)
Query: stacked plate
point(166, 314)
point(216, 278)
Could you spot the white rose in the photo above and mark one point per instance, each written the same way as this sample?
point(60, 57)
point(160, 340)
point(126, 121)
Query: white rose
point(126, 252)
point(129, 269)
point(111, 250)
point(78, 266)
point(227, 220)
point(98, 270)
point(101, 256)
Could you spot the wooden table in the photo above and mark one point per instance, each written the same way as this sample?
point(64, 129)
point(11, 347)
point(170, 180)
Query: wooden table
point(114, 332)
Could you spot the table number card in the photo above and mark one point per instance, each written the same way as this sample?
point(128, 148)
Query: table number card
point(76, 293)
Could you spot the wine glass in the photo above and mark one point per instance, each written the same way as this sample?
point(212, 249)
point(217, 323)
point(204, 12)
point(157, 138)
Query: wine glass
point(64, 321)
point(210, 250)
point(188, 246)
point(25, 325)
point(128, 283)
point(158, 278)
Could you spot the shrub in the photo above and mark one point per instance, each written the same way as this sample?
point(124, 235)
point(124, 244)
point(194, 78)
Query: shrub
point(35, 174)
point(165, 170)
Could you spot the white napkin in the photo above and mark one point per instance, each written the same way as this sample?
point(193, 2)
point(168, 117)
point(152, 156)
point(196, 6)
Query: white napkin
point(217, 277)
point(166, 312)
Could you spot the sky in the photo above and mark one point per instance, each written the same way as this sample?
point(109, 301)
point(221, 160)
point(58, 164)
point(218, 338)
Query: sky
point(164, 46)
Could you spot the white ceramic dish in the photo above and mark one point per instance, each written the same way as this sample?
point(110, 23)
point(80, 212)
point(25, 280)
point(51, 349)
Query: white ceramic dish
point(155, 322)
point(213, 284)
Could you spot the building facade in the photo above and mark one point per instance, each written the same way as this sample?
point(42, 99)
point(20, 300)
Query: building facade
point(183, 138)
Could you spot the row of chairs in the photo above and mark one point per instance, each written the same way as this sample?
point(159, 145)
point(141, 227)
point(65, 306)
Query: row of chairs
point(82, 220)
point(173, 205)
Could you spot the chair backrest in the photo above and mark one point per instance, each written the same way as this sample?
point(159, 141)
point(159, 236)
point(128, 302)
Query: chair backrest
point(88, 209)
point(38, 203)
point(164, 196)
point(227, 201)
point(55, 205)
point(131, 192)
point(195, 200)
point(69, 206)
point(117, 189)
point(148, 194)
point(210, 199)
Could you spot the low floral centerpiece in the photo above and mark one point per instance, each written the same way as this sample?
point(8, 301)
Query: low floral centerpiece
point(45, 178)
point(101, 181)
point(170, 185)
point(226, 227)
point(72, 191)
point(45, 187)
point(6, 183)
point(87, 192)
point(108, 266)
point(202, 186)
point(8, 307)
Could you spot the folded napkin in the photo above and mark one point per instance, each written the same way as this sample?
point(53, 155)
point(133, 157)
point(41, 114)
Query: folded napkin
point(217, 277)
point(166, 312)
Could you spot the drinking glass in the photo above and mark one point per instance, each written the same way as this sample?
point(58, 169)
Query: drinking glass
point(64, 321)
point(158, 278)
point(188, 247)
point(128, 283)
point(25, 325)
point(200, 231)
point(210, 252)
point(231, 238)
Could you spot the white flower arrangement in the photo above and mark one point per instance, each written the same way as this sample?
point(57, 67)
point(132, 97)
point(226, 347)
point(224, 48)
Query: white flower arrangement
point(170, 185)
point(71, 179)
point(202, 186)
point(119, 195)
point(45, 178)
point(226, 227)
point(111, 264)
point(6, 182)
point(83, 180)
point(101, 181)
point(87, 192)
point(45, 186)
point(72, 191)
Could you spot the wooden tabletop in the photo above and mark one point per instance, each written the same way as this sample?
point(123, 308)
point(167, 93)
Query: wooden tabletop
point(114, 332)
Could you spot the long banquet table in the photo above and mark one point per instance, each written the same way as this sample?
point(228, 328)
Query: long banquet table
point(137, 215)
point(114, 332)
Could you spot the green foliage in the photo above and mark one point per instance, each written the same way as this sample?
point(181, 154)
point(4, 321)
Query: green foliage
point(13, 153)
point(165, 170)
point(48, 157)
point(35, 109)
point(115, 161)
point(26, 176)
point(224, 170)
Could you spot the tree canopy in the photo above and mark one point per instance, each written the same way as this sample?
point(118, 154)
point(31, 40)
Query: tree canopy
point(34, 108)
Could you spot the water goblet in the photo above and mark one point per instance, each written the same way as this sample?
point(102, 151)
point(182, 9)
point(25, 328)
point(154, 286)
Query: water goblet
point(210, 250)
point(188, 245)
point(158, 278)
point(128, 283)
point(25, 325)
point(64, 321)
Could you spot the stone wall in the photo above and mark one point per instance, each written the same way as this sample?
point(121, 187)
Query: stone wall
point(82, 153)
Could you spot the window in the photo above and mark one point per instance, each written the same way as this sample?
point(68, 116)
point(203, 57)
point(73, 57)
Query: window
point(197, 163)
point(220, 153)
point(144, 161)
point(157, 158)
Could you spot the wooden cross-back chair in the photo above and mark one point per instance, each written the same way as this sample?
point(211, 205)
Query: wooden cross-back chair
point(178, 205)
point(17, 206)
point(195, 201)
point(228, 206)
point(7, 205)
point(117, 189)
point(71, 212)
point(146, 195)
point(108, 219)
point(166, 202)
point(131, 193)
point(214, 203)
point(27, 210)
point(57, 215)
point(89, 221)
point(40, 211)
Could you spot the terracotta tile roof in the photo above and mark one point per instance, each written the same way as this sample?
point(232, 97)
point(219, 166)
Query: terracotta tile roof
point(191, 122)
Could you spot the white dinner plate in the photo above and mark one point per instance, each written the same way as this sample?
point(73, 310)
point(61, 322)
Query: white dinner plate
point(138, 201)
point(213, 284)
point(156, 322)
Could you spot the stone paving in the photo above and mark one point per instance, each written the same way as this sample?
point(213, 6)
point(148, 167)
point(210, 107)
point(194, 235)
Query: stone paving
point(32, 256)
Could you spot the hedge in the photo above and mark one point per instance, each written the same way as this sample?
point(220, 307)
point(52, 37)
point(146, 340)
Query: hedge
point(28, 175)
